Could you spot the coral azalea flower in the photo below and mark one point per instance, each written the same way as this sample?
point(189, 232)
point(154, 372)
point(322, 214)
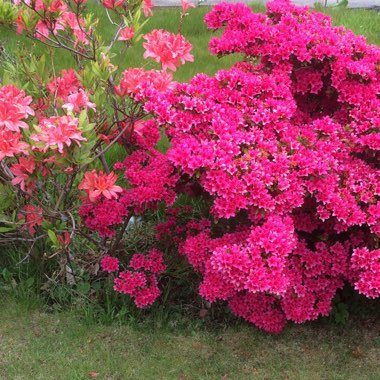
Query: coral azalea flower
point(100, 184)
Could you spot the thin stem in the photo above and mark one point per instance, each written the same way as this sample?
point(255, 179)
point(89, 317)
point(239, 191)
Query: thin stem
point(119, 236)
point(114, 39)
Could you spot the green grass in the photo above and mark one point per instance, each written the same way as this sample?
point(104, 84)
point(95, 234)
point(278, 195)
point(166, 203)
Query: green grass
point(360, 21)
point(36, 345)
point(193, 28)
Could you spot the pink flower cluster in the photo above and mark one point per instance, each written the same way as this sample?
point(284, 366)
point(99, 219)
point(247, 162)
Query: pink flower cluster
point(67, 91)
point(104, 215)
point(366, 264)
point(151, 178)
point(100, 184)
point(55, 17)
point(109, 264)
point(140, 281)
point(171, 50)
point(283, 148)
point(64, 85)
point(153, 262)
point(135, 80)
point(51, 133)
point(14, 108)
point(56, 132)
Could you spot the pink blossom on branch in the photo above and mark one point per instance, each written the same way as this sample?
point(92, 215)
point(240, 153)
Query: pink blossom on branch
point(112, 4)
point(186, 5)
point(171, 50)
point(135, 80)
point(78, 101)
point(11, 144)
point(126, 34)
point(147, 8)
point(32, 216)
point(76, 26)
point(100, 184)
point(14, 106)
point(22, 171)
point(56, 132)
point(64, 85)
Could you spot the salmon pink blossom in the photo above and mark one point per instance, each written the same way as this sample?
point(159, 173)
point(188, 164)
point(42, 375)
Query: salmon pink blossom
point(186, 5)
point(112, 4)
point(11, 144)
point(76, 25)
point(170, 49)
point(33, 217)
point(64, 85)
point(126, 34)
point(14, 106)
point(100, 184)
point(147, 7)
point(77, 101)
point(135, 80)
point(57, 131)
point(22, 171)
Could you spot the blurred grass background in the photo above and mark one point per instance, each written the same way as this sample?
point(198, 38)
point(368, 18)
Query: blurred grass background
point(365, 22)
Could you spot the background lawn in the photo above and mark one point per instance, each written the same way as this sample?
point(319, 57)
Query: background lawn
point(35, 345)
point(360, 21)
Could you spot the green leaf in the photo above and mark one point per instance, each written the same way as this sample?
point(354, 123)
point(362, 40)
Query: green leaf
point(84, 287)
point(82, 120)
point(7, 197)
point(7, 275)
point(6, 229)
point(53, 237)
point(29, 282)
point(8, 12)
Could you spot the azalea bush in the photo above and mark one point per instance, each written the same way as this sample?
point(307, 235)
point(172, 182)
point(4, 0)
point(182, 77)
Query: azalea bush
point(283, 148)
point(277, 157)
point(59, 195)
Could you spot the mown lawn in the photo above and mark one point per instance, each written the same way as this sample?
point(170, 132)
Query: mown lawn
point(36, 345)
